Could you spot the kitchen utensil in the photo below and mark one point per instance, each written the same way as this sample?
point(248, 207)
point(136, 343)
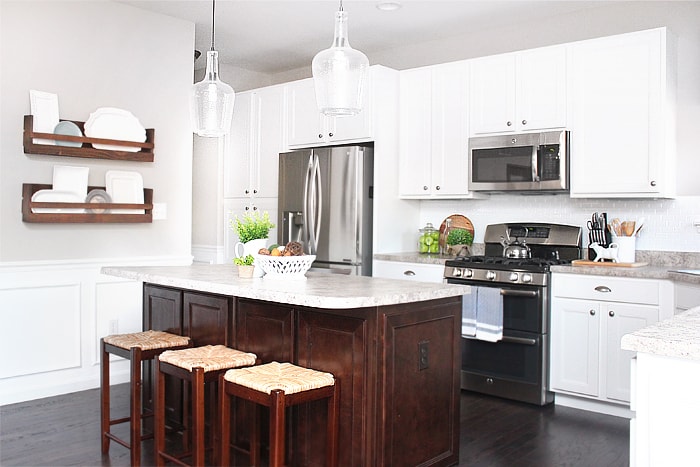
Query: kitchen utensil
point(628, 228)
point(640, 224)
point(615, 227)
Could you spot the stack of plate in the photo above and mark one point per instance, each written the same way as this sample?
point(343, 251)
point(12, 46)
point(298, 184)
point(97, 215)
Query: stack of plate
point(112, 123)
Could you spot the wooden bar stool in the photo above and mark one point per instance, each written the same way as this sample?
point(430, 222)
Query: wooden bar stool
point(197, 366)
point(277, 386)
point(136, 347)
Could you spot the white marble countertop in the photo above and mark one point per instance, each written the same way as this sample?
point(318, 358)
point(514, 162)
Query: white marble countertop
point(675, 337)
point(317, 290)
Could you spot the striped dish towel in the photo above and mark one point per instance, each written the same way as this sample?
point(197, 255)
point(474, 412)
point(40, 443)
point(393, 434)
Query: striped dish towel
point(489, 314)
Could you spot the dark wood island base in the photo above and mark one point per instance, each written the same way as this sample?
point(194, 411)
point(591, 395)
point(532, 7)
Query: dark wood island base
point(398, 367)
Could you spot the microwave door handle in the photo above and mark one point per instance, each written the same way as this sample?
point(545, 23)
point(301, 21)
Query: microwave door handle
point(535, 151)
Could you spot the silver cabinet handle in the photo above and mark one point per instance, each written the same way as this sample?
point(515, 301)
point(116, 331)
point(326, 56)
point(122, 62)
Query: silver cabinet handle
point(437, 187)
point(592, 312)
point(409, 273)
point(330, 135)
point(611, 313)
point(519, 340)
point(509, 123)
point(320, 136)
point(524, 122)
point(519, 293)
point(653, 183)
point(425, 187)
point(602, 288)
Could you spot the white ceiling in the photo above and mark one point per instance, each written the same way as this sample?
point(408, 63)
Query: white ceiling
point(276, 36)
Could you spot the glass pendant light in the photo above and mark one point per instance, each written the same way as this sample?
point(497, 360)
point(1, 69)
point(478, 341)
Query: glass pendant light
point(212, 100)
point(340, 73)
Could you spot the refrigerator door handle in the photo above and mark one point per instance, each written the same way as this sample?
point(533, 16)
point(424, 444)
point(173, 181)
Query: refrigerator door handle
point(318, 203)
point(306, 214)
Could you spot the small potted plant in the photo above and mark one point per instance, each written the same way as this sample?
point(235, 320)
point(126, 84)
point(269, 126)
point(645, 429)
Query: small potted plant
point(253, 230)
point(458, 240)
point(245, 265)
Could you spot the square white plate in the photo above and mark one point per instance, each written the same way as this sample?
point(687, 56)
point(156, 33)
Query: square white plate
point(125, 187)
point(69, 178)
point(44, 108)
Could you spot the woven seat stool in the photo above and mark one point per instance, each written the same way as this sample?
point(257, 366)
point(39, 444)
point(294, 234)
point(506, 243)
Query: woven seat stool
point(197, 365)
point(136, 347)
point(277, 386)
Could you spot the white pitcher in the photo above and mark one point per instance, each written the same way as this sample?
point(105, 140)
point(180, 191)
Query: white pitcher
point(251, 248)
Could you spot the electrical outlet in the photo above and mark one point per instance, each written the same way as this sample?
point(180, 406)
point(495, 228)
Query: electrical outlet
point(423, 355)
point(697, 225)
point(113, 326)
point(160, 211)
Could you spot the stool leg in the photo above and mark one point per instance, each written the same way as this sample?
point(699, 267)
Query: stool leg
point(135, 424)
point(104, 397)
point(333, 415)
point(224, 423)
point(277, 428)
point(255, 436)
point(159, 411)
point(198, 416)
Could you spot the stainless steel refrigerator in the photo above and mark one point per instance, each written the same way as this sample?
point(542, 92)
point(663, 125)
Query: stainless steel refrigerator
point(325, 202)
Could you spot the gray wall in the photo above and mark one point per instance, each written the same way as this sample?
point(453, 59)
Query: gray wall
point(96, 54)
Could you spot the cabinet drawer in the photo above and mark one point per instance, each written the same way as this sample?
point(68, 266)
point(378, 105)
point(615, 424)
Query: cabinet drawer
point(609, 289)
point(408, 271)
point(687, 296)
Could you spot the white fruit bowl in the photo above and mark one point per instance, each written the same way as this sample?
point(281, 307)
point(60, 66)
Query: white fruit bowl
point(284, 267)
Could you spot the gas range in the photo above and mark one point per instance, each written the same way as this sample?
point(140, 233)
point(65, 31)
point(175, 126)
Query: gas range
point(550, 244)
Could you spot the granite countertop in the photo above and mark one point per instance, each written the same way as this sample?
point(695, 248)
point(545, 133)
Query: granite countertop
point(319, 290)
point(676, 337)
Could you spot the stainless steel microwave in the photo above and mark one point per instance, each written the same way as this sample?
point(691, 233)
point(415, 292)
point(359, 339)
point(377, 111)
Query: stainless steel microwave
point(520, 162)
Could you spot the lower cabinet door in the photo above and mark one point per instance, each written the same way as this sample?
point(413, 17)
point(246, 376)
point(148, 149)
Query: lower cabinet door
point(206, 319)
point(575, 344)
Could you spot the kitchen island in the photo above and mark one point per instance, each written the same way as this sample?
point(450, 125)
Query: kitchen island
point(665, 383)
point(393, 345)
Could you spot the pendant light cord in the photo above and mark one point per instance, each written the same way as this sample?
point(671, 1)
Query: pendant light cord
point(213, 6)
point(341, 5)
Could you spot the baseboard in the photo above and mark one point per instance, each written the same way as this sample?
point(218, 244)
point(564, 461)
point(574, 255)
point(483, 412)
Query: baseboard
point(208, 254)
point(592, 405)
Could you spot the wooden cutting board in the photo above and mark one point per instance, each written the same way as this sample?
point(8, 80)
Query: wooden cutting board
point(457, 221)
point(587, 262)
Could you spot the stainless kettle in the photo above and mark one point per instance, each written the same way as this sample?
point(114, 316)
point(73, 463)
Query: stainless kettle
point(515, 249)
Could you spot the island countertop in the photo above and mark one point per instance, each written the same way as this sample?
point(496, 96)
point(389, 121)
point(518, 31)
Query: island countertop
point(676, 337)
point(318, 290)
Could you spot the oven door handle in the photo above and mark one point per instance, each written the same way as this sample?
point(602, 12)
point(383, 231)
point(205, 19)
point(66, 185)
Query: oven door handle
point(519, 293)
point(519, 340)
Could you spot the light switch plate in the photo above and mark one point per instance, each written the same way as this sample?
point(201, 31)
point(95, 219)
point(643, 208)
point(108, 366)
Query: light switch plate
point(160, 211)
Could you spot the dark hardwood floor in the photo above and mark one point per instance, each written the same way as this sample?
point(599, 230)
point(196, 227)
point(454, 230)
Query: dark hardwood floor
point(64, 430)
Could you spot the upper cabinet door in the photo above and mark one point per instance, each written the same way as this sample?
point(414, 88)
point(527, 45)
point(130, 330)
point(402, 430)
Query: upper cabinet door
point(268, 118)
point(415, 123)
point(540, 91)
point(493, 94)
point(306, 126)
point(239, 150)
point(622, 138)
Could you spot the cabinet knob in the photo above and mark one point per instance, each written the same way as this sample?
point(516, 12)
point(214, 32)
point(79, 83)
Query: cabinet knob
point(437, 187)
point(320, 136)
point(592, 312)
point(330, 135)
point(255, 208)
point(524, 122)
point(653, 183)
point(425, 187)
point(409, 273)
point(602, 288)
point(247, 208)
point(255, 192)
point(611, 313)
point(509, 123)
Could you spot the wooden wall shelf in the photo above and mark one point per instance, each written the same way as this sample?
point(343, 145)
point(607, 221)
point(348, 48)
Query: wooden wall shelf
point(28, 189)
point(145, 154)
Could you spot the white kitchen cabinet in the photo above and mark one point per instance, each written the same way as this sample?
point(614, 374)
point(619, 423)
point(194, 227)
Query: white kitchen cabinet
point(251, 159)
point(622, 134)
point(306, 126)
point(434, 132)
point(519, 91)
point(408, 271)
point(239, 207)
point(589, 316)
point(687, 296)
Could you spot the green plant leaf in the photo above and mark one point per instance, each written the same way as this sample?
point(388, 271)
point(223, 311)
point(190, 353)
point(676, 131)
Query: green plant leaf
point(252, 226)
point(459, 237)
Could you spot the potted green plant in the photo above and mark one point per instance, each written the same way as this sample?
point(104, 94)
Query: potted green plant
point(459, 239)
point(245, 265)
point(253, 229)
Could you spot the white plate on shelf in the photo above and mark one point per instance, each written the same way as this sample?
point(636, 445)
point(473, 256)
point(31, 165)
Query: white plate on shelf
point(124, 187)
point(54, 196)
point(44, 108)
point(70, 129)
point(113, 123)
point(70, 178)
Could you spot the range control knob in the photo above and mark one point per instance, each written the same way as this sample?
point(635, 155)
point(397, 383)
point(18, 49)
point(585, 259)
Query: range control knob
point(468, 273)
point(513, 277)
point(457, 272)
point(527, 278)
point(490, 275)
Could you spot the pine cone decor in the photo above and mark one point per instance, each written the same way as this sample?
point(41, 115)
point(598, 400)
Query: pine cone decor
point(264, 251)
point(293, 249)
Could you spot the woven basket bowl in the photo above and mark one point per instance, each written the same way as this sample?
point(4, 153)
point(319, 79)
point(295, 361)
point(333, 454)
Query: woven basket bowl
point(284, 267)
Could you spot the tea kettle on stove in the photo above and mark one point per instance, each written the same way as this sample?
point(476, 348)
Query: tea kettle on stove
point(516, 248)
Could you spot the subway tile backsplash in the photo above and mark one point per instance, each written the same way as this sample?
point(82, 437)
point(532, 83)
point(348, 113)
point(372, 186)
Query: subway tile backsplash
point(668, 226)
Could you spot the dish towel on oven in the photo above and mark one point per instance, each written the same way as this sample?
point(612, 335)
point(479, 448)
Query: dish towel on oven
point(482, 314)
